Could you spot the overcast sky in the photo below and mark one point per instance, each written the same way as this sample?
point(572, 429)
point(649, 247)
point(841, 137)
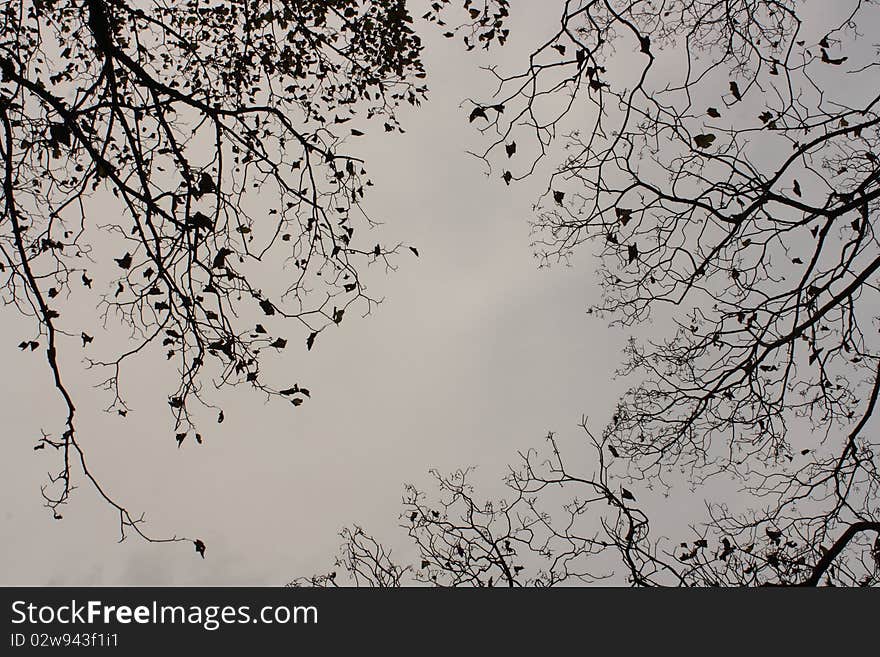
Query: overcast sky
point(474, 354)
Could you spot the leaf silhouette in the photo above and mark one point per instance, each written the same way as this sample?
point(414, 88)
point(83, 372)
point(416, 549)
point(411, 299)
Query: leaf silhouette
point(200, 221)
point(632, 252)
point(714, 113)
point(124, 261)
point(310, 341)
point(830, 60)
point(510, 148)
point(86, 338)
point(704, 140)
point(200, 547)
point(727, 551)
point(60, 133)
point(734, 89)
point(267, 307)
point(206, 184)
point(625, 494)
point(414, 250)
point(279, 343)
point(478, 113)
point(558, 197)
point(220, 258)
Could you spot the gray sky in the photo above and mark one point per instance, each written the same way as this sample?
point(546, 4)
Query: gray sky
point(474, 354)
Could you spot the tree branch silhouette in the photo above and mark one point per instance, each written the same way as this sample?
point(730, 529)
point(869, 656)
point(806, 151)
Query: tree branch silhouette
point(222, 136)
point(719, 160)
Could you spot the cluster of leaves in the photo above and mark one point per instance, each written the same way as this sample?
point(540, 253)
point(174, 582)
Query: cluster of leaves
point(485, 25)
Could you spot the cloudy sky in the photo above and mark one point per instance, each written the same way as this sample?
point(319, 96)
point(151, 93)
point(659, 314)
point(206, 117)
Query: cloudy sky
point(474, 354)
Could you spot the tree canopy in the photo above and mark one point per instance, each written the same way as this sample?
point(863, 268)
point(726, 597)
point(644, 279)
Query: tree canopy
point(220, 133)
point(720, 160)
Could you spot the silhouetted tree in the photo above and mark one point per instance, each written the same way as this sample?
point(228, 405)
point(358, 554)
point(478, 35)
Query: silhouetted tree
point(465, 541)
point(202, 146)
point(729, 183)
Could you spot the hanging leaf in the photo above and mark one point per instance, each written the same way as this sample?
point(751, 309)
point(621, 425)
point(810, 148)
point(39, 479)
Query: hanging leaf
point(704, 140)
point(124, 261)
point(478, 113)
point(632, 252)
point(734, 89)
